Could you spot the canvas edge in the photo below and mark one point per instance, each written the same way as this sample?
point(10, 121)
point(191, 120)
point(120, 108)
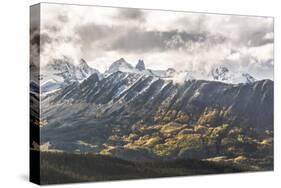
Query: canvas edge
point(34, 156)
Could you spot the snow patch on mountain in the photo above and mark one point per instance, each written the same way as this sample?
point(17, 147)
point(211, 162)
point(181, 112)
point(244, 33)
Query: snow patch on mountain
point(61, 72)
point(223, 74)
point(220, 73)
point(83, 70)
point(120, 65)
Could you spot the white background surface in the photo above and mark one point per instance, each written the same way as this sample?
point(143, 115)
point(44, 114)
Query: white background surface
point(14, 104)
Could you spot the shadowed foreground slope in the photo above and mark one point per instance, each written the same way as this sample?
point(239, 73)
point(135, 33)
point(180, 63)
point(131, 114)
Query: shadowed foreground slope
point(69, 168)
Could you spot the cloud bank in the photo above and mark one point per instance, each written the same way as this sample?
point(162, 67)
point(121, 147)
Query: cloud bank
point(181, 40)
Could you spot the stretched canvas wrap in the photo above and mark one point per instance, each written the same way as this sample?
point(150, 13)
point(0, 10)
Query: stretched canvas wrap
point(122, 93)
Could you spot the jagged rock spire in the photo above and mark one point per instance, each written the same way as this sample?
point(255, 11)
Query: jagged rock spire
point(140, 65)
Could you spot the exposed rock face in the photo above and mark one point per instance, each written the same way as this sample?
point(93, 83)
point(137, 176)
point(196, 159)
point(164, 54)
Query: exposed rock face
point(120, 65)
point(245, 103)
point(248, 78)
point(223, 74)
point(92, 109)
point(220, 73)
point(140, 65)
point(136, 113)
point(61, 72)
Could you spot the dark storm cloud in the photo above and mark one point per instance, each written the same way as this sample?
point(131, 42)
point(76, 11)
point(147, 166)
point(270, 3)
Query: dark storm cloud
point(34, 45)
point(137, 39)
point(45, 38)
point(35, 39)
point(53, 28)
point(131, 14)
point(250, 31)
point(93, 38)
point(145, 41)
point(194, 25)
point(239, 30)
point(182, 40)
point(257, 38)
point(90, 33)
point(63, 18)
point(40, 40)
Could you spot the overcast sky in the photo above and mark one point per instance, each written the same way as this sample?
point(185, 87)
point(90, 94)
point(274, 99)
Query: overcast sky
point(163, 39)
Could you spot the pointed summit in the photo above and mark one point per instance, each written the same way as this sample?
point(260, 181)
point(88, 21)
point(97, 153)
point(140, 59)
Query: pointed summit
point(220, 73)
point(84, 70)
point(170, 72)
point(140, 65)
point(61, 72)
point(83, 64)
point(223, 74)
point(82, 61)
point(248, 78)
point(120, 65)
point(122, 59)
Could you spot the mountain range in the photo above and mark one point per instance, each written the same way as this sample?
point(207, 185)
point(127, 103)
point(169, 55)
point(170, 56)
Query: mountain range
point(136, 113)
point(61, 72)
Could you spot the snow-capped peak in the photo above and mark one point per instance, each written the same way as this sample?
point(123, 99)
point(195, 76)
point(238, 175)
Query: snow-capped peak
point(63, 64)
point(248, 78)
point(83, 64)
point(84, 70)
point(170, 72)
point(220, 73)
point(223, 74)
point(60, 72)
point(120, 65)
